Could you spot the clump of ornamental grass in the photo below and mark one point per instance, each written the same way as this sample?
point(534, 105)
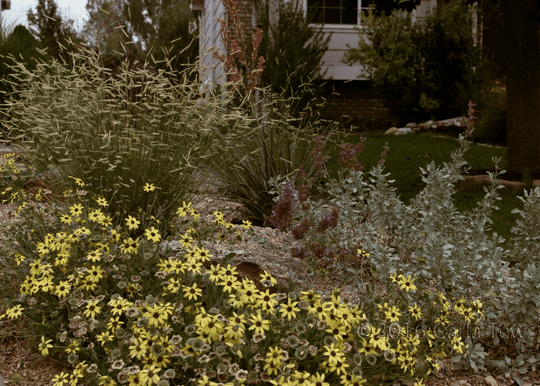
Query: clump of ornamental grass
point(118, 131)
point(269, 140)
point(274, 146)
point(155, 310)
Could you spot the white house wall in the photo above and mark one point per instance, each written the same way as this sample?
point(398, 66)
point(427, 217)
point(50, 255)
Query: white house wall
point(346, 35)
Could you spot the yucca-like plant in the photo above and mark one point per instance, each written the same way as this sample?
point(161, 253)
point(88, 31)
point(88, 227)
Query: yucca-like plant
point(276, 144)
point(116, 131)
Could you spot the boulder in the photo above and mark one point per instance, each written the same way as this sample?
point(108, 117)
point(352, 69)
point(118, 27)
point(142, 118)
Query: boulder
point(411, 125)
point(391, 130)
point(491, 381)
point(441, 124)
point(430, 123)
point(403, 131)
point(424, 126)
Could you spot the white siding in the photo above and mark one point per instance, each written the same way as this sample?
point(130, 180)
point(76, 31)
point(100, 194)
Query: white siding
point(209, 27)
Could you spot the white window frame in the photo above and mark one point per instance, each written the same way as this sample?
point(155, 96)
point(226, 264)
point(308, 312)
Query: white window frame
point(339, 26)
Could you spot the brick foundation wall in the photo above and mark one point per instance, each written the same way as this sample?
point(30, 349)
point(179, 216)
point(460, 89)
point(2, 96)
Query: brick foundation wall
point(245, 8)
point(356, 103)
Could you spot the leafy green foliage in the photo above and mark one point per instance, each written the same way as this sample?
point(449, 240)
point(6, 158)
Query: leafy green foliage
point(114, 132)
point(426, 69)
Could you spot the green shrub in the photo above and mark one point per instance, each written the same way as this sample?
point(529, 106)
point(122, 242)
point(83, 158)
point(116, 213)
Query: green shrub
point(115, 132)
point(149, 312)
point(426, 69)
point(491, 124)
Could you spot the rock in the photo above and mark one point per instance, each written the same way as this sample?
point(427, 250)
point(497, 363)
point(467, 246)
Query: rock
point(411, 125)
point(430, 123)
point(403, 131)
point(424, 126)
point(490, 381)
point(441, 124)
point(461, 382)
point(391, 130)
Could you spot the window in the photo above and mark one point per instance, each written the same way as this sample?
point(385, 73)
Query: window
point(344, 12)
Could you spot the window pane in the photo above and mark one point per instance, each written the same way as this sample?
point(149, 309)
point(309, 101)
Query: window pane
point(349, 12)
point(332, 16)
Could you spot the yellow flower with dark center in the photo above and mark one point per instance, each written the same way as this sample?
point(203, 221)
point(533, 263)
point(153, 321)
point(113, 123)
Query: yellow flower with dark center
point(104, 337)
point(259, 325)
point(66, 219)
point(407, 283)
point(132, 223)
point(61, 379)
point(13, 312)
point(334, 354)
point(415, 311)
point(174, 285)
point(101, 201)
point(76, 210)
point(92, 309)
point(392, 314)
point(96, 215)
point(94, 256)
point(149, 187)
point(266, 300)
point(95, 273)
point(119, 305)
point(152, 234)
point(168, 266)
point(186, 240)
point(78, 181)
point(318, 379)
point(114, 324)
point(129, 246)
point(73, 347)
point(192, 292)
point(44, 346)
point(183, 210)
point(289, 310)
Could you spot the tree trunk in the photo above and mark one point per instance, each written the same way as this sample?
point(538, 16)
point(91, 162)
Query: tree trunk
point(522, 50)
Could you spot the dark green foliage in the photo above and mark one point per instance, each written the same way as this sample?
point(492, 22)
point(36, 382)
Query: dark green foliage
point(49, 27)
point(163, 25)
point(388, 6)
point(491, 125)
point(427, 69)
point(137, 28)
point(293, 50)
point(21, 45)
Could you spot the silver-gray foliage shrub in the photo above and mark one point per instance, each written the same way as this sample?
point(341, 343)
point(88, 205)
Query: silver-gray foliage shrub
point(452, 252)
